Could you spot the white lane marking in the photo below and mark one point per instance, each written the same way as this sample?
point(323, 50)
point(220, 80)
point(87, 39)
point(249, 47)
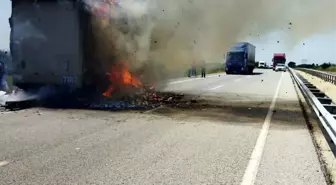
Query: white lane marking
point(3, 163)
point(237, 80)
point(9, 112)
point(217, 87)
point(218, 75)
point(253, 165)
point(181, 81)
point(155, 109)
point(197, 78)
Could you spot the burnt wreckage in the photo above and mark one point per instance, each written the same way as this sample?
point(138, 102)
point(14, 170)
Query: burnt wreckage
point(52, 43)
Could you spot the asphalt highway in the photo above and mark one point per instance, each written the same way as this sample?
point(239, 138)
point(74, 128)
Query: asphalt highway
point(258, 136)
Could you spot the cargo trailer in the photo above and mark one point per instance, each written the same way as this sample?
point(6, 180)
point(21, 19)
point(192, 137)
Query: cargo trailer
point(240, 58)
point(52, 43)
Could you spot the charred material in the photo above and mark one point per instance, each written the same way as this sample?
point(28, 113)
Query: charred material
point(145, 98)
point(20, 104)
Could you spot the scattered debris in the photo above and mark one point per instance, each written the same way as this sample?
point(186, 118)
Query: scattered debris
point(3, 163)
point(193, 101)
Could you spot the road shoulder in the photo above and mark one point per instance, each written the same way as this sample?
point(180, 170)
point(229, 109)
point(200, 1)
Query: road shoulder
point(289, 156)
point(326, 157)
point(328, 88)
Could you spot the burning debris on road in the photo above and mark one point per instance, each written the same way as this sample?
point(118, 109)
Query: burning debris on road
point(148, 101)
point(137, 98)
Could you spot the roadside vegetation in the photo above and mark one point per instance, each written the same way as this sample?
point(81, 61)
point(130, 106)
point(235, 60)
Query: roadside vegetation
point(210, 69)
point(322, 67)
point(5, 59)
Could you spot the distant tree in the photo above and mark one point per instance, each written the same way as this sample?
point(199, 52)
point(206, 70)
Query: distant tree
point(325, 65)
point(305, 66)
point(292, 64)
point(6, 59)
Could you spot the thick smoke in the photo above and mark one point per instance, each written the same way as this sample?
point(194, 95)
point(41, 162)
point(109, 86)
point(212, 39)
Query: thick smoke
point(164, 37)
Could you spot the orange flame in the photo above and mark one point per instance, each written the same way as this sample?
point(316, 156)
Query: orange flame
point(119, 76)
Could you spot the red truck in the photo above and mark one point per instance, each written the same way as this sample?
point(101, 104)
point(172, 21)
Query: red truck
point(278, 58)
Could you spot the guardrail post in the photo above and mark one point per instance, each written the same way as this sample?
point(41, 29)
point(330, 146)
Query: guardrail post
point(320, 74)
point(322, 105)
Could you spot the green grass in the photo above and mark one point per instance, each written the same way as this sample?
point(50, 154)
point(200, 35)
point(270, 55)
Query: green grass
point(331, 69)
point(217, 70)
point(9, 82)
point(210, 69)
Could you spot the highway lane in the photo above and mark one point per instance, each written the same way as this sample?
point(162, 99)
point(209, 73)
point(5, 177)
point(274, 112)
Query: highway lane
point(260, 86)
point(206, 145)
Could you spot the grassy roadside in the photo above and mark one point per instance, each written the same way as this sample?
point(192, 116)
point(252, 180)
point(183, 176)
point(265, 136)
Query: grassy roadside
point(329, 69)
point(210, 69)
point(217, 70)
point(9, 82)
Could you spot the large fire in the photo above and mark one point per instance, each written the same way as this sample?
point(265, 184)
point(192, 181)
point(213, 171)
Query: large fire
point(120, 76)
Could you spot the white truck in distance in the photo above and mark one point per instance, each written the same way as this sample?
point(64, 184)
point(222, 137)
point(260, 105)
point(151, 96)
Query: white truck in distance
point(262, 64)
point(280, 67)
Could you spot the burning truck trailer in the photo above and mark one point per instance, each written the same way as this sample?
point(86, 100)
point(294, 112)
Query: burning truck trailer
point(53, 45)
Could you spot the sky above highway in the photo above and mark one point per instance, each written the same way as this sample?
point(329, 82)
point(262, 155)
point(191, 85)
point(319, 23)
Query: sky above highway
point(317, 48)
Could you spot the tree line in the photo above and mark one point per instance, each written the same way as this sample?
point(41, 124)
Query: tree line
point(6, 59)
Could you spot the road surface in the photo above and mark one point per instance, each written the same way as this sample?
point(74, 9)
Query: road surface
point(205, 145)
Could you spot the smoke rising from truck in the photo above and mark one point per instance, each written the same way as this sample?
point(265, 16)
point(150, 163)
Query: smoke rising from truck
point(162, 38)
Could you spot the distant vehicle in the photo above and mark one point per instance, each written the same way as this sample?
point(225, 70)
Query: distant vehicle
point(278, 58)
point(262, 64)
point(280, 67)
point(240, 58)
point(3, 82)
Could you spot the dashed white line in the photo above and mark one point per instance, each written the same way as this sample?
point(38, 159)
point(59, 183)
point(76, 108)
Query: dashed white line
point(198, 78)
point(181, 81)
point(3, 163)
point(253, 165)
point(217, 87)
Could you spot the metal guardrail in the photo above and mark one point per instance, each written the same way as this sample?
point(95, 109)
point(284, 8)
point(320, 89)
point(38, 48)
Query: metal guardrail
point(322, 105)
point(321, 74)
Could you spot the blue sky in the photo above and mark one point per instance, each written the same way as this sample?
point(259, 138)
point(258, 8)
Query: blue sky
point(5, 11)
point(317, 49)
